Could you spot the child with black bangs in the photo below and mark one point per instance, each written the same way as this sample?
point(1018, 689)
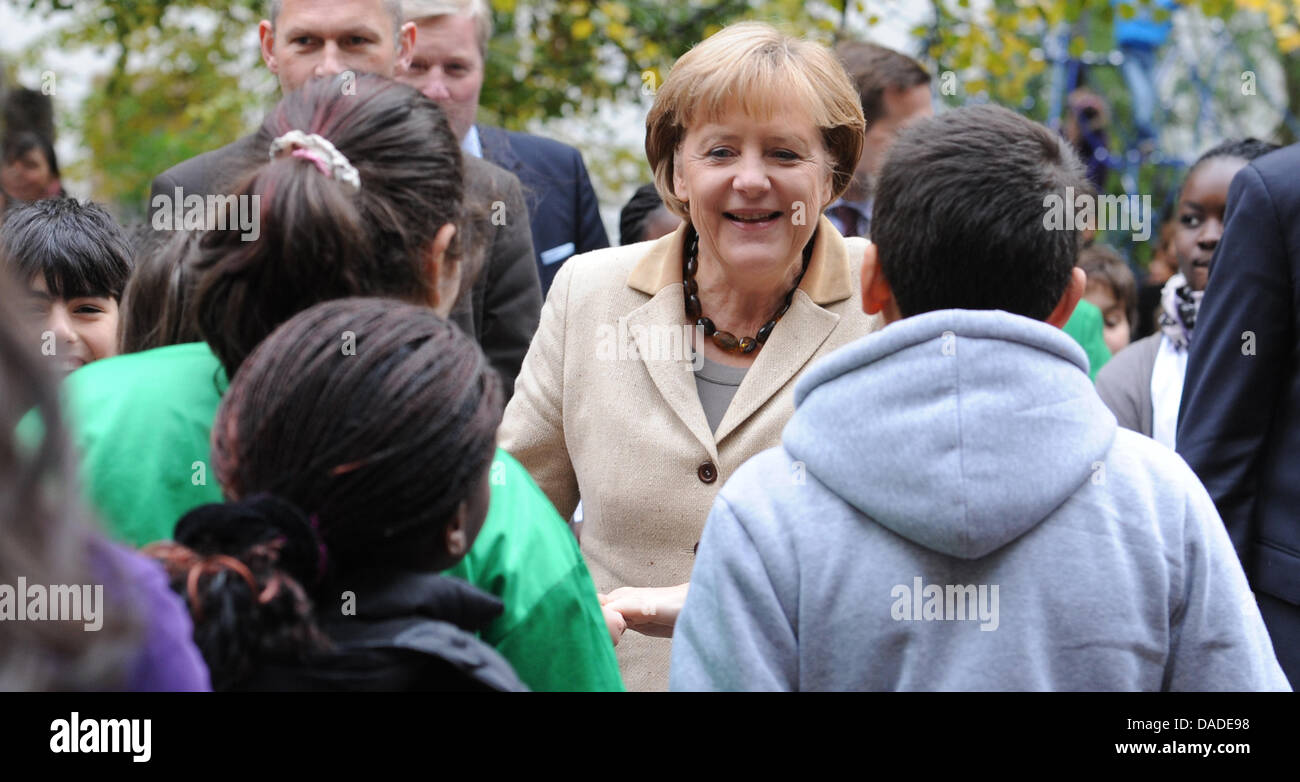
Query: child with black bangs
point(73, 260)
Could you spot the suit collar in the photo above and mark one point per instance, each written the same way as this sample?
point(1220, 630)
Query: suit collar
point(472, 144)
point(829, 277)
point(652, 327)
point(793, 342)
point(495, 144)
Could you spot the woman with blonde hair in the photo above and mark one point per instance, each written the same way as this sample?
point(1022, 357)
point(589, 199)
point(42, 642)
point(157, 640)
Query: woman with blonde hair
point(660, 367)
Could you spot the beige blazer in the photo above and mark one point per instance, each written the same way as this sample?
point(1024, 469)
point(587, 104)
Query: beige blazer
point(606, 409)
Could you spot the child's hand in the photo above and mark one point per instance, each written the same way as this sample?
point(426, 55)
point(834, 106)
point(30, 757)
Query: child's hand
point(649, 610)
point(614, 621)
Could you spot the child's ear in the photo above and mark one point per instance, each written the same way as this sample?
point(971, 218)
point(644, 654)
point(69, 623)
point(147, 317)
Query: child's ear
point(1070, 299)
point(877, 296)
point(444, 272)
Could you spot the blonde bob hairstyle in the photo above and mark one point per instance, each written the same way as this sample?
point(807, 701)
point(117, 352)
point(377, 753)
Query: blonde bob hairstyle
point(758, 69)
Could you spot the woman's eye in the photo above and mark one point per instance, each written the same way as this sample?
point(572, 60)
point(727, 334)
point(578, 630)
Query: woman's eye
point(719, 152)
point(1191, 221)
point(785, 154)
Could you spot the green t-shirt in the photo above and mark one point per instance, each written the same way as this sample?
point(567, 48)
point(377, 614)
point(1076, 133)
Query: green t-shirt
point(142, 425)
point(1085, 326)
point(522, 531)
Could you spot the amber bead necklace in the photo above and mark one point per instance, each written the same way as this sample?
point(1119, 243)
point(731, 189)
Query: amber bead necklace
point(725, 339)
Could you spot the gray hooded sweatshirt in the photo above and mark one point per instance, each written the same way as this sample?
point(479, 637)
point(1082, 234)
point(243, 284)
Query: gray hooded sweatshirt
point(954, 508)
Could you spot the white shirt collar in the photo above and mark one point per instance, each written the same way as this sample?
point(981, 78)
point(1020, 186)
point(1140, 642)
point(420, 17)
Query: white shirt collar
point(471, 145)
point(1167, 391)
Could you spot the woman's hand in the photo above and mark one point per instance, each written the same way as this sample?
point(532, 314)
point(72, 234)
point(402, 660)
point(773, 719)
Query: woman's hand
point(649, 610)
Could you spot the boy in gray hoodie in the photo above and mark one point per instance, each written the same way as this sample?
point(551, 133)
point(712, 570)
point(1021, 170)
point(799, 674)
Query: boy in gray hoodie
point(952, 506)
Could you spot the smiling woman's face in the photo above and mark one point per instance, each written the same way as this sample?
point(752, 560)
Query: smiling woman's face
point(755, 189)
point(1200, 217)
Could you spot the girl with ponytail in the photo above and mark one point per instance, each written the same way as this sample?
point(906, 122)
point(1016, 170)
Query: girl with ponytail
point(354, 477)
point(355, 195)
point(359, 193)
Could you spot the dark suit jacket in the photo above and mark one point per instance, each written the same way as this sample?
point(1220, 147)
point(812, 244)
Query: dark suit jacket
point(502, 309)
point(1239, 422)
point(562, 205)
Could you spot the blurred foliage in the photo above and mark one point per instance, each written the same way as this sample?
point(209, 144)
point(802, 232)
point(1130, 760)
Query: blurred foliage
point(565, 59)
point(554, 58)
point(1002, 51)
point(186, 76)
point(175, 87)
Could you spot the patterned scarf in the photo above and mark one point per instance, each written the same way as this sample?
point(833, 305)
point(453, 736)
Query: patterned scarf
point(1178, 307)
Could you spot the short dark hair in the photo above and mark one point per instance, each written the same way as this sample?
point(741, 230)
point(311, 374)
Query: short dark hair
point(1102, 264)
point(632, 220)
point(1246, 149)
point(77, 247)
point(334, 462)
point(381, 443)
point(874, 69)
point(960, 214)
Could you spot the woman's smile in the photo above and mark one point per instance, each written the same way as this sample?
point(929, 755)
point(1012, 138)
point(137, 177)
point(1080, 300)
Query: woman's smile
point(753, 219)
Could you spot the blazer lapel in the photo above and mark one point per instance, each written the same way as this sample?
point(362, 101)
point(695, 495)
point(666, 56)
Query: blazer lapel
point(804, 328)
point(667, 358)
point(793, 342)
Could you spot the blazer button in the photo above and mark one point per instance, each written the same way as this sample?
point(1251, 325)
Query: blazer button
point(707, 472)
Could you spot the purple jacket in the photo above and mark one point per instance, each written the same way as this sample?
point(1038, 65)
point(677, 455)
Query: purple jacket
point(168, 660)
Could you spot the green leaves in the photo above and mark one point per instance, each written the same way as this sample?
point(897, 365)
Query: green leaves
point(194, 79)
point(568, 57)
point(183, 81)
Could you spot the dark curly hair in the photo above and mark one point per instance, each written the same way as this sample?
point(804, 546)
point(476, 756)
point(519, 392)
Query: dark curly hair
point(349, 440)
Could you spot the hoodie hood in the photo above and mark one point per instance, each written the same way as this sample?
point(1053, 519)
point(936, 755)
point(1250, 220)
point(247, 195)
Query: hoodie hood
point(960, 430)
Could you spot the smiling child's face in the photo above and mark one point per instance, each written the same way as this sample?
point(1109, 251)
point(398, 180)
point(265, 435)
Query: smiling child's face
point(73, 332)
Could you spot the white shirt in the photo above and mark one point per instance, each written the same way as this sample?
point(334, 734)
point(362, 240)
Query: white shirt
point(1167, 391)
point(471, 144)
